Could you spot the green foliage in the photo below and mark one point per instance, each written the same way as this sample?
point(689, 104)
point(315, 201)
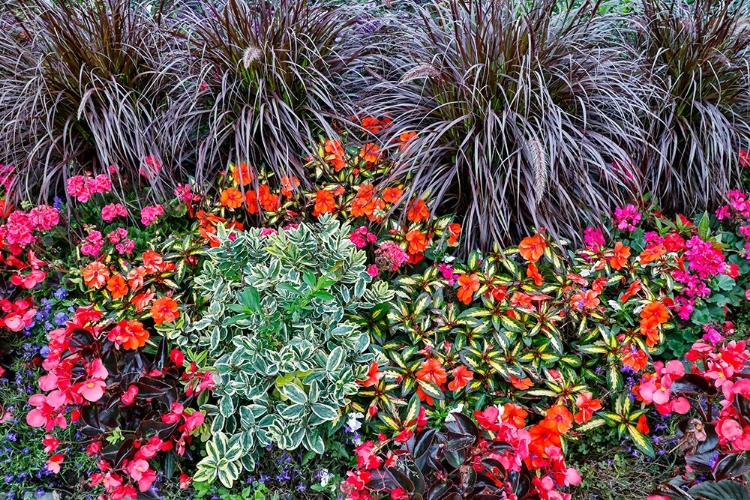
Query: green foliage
point(278, 327)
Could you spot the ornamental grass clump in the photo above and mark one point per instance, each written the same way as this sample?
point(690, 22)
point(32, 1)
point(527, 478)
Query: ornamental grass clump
point(696, 57)
point(280, 325)
point(523, 115)
point(277, 77)
point(90, 87)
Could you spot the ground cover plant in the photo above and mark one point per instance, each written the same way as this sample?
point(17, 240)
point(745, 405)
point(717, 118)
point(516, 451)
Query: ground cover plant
point(303, 311)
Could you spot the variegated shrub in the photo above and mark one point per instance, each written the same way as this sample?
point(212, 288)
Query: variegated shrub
point(278, 328)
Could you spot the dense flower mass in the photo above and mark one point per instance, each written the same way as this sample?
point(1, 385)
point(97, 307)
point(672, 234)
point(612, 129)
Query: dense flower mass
point(553, 340)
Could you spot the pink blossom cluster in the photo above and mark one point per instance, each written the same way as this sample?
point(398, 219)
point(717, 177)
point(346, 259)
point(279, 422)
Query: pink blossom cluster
point(703, 258)
point(446, 270)
point(627, 217)
point(594, 238)
point(391, 255)
point(17, 315)
point(656, 388)
point(150, 168)
point(109, 212)
point(93, 243)
point(83, 187)
point(119, 238)
point(184, 192)
point(150, 213)
point(361, 237)
point(19, 228)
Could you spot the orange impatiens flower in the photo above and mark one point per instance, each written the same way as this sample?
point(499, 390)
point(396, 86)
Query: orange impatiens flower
point(585, 300)
point(454, 231)
point(95, 275)
point(288, 185)
point(405, 138)
point(432, 371)
point(136, 277)
point(241, 174)
point(467, 285)
point(588, 405)
point(325, 203)
point(142, 300)
point(117, 287)
point(620, 257)
point(521, 383)
point(164, 310)
point(633, 289)
point(654, 314)
point(392, 194)
point(559, 418)
point(128, 334)
point(418, 211)
point(634, 358)
point(370, 152)
point(268, 200)
point(461, 377)
point(533, 273)
point(532, 248)
point(335, 154)
point(417, 241)
point(251, 201)
point(231, 198)
point(514, 415)
point(373, 376)
point(364, 204)
point(652, 254)
point(642, 425)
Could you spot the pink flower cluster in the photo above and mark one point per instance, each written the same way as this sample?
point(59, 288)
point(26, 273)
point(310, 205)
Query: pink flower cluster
point(655, 388)
point(93, 243)
point(703, 258)
point(391, 256)
point(83, 187)
point(361, 237)
point(109, 212)
point(627, 217)
point(7, 176)
point(594, 238)
point(150, 213)
point(119, 238)
point(17, 315)
point(19, 228)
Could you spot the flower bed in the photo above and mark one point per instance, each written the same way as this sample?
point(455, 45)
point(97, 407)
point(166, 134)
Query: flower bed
point(224, 342)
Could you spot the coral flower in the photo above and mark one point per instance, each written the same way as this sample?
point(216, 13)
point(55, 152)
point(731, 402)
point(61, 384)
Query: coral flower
point(335, 154)
point(95, 275)
point(558, 417)
point(392, 194)
point(288, 185)
point(432, 371)
point(241, 174)
point(405, 138)
point(418, 211)
point(461, 377)
point(620, 257)
point(514, 415)
point(370, 152)
point(417, 241)
point(325, 203)
point(651, 254)
point(164, 310)
point(468, 284)
point(231, 198)
point(533, 273)
point(269, 201)
point(588, 405)
point(251, 201)
point(654, 314)
point(532, 248)
point(117, 287)
point(373, 376)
